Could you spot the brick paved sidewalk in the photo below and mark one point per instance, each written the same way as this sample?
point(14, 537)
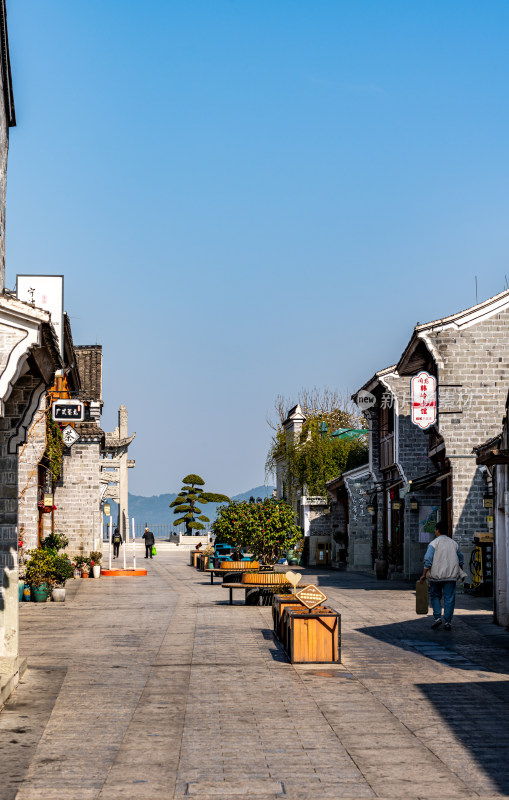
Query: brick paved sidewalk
point(157, 688)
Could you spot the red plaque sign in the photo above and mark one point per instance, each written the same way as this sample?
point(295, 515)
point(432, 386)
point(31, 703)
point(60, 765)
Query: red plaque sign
point(423, 400)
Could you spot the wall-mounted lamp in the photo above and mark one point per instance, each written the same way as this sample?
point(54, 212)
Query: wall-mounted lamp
point(371, 510)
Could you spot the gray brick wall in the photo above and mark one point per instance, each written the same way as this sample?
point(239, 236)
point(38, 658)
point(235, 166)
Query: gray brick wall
point(360, 523)
point(15, 408)
point(472, 382)
point(476, 361)
point(77, 497)
point(29, 455)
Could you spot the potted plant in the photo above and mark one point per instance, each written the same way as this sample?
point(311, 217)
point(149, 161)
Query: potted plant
point(61, 571)
point(39, 574)
point(95, 561)
point(55, 542)
point(382, 563)
point(82, 565)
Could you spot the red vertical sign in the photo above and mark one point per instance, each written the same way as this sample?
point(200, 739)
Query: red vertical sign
point(423, 400)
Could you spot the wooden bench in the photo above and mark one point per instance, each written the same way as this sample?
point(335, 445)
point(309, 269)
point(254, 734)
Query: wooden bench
point(222, 572)
point(255, 594)
point(231, 587)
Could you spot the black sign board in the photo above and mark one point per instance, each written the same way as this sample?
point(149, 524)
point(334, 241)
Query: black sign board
point(68, 411)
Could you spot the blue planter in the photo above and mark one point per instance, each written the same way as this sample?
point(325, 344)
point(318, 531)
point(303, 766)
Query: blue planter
point(21, 586)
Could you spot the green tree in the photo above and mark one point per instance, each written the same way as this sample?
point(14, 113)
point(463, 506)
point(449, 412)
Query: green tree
point(317, 455)
point(265, 528)
point(186, 503)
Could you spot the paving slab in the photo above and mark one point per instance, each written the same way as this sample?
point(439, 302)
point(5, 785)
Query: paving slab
point(157, 688)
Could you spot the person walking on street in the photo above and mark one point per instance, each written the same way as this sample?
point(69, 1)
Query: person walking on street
point(117, 541)
point(443, 561)
point(149, 542)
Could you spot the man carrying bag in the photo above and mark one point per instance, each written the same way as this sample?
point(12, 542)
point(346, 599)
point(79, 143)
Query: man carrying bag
point(149, 542)
point(443, 564)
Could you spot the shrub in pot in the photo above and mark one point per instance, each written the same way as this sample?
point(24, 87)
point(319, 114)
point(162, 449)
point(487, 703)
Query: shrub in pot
point(55, 542)
point(95, 560)
point(61, 572)
point(39, 574)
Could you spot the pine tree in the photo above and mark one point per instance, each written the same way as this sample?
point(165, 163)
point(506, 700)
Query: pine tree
point(186, 503)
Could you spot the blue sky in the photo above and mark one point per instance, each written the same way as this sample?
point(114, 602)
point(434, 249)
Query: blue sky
point(247, 198)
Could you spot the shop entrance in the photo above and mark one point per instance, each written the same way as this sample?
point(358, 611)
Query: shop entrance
point(323, 554)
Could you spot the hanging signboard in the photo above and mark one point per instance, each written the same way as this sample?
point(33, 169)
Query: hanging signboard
point(68, 411)
point(311, 596)
point(423, 400)
point(70, 435)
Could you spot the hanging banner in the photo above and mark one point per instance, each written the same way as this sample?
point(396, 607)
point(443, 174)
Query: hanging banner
point(423, 400)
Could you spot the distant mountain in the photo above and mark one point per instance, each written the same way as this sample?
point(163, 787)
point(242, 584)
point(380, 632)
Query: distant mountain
point(155, 511)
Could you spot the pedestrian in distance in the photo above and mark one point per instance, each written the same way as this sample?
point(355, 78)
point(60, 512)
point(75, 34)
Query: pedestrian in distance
point(443, 564)
point(149, 542)
point(117, 541)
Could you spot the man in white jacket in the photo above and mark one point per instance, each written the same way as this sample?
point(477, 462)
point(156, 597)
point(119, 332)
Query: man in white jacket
point(443, 561)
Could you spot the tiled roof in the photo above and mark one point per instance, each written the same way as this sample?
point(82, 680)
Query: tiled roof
point(89, 360)
point(89, 430)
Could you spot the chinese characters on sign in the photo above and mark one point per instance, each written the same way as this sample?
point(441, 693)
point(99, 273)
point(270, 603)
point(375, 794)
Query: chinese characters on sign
point(70, 435)
point(68, 410)
point(423, 393)
point(311, 596)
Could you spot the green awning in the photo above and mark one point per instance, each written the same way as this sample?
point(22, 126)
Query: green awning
point(349, 433)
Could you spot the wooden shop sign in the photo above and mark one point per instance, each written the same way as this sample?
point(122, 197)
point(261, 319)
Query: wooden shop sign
point(311, 596)
point(68, 411)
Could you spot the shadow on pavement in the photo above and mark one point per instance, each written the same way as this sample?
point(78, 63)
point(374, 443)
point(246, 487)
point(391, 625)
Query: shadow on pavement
point(466, 647)
point(477, 714)
point(22, 723)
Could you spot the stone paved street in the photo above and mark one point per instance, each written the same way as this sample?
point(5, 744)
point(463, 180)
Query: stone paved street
point(157, 688)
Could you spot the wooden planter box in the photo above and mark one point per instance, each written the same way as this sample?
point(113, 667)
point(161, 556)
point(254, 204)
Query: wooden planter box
point(285, 623)
point(278, 614)
point(279, 603)
point(193, 558)
point(312, 636)
point(202, 561)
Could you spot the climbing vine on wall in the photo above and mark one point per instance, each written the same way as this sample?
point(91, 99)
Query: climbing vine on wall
point(54, 447)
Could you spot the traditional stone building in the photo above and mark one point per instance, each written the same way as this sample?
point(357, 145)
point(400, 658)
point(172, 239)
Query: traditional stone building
point(78, 491)
point(35, 478)
point(29, 357)
point(494, 456)
point(420, 476)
